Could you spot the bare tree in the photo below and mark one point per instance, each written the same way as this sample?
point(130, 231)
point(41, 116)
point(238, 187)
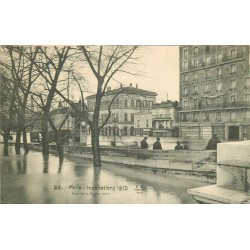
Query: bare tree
point(7, 112)
point(105, 63)
point(50, 67)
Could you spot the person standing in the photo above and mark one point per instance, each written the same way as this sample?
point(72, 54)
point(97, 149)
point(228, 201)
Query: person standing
point(212, 143)
point(144, 144)
point(178, 146)
point(157, 144)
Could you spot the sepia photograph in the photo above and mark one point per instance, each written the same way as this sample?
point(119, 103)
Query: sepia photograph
point(123, 124)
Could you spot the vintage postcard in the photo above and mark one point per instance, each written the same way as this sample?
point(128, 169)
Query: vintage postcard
point(125, 124)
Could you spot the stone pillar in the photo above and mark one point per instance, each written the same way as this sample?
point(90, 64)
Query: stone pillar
point(226, 132)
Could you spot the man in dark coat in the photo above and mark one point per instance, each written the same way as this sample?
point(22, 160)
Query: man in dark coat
point(157, 144)
point(144, 144)
point(178, 146)
point(212, 144)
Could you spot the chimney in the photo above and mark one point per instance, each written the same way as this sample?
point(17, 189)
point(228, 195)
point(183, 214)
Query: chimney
point(109, 88)
point(130, 84)
point(120, 85)
point(136, 85)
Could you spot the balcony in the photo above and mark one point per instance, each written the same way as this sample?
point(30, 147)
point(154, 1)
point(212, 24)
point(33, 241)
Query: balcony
point(219, 76)
point(224, 59)
point(218, 106)
point(161, 117)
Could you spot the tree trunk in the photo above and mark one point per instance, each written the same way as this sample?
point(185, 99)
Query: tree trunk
point(45, 135)
point(25, 144)
point(96, 147)
point(6, 141)
point(18, 141)
point(58, 145)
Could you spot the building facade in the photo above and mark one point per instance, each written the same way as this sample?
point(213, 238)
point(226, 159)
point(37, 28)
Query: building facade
point(143, 123)
point(130, 101)
point(215, 91)
point(164, 117)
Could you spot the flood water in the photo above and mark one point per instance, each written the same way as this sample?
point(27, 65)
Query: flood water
point(32, 179)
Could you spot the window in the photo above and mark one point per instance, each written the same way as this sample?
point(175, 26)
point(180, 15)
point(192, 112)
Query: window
point(195, 63)
point(219, 57)
point(195, 76)
point(185, 65)
point(247, 114)
point(219, 86)
point(207, 59)
point(218, 116)
point(219, 99)
point(195, 103)
point(248, 97)
point(113, 117)
point(206, 117)
point(138, 103)
point(132, 103)
point(138, 123)
point(132, 117)
point(219, 73)
point(207, 87)
point(147, 123)
point(195, 89)
point(233, 84)
point(125, 117)
point(207, 101)
point(185, 104)
point(247, 83)
point(207, 73)
point(117, 117)
point(185, 91)
point(207, 49)
point(184, 117)
point(233, 53)
point(233, 98)
point(126, 103)
point(195, 50)
point(195, 117)
point(185, 53)
point(102, 117)
point(232, 115)
point(185, 78)
point(233, 69)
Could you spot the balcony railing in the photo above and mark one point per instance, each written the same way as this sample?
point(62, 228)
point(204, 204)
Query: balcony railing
point(224, 59)
point(161, 117)
point(218, 105)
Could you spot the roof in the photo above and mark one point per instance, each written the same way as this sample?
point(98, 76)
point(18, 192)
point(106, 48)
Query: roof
point(165, 104)
point(128, 90)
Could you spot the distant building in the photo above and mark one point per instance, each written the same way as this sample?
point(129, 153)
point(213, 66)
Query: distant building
point(130, 101)
point(164, 117)
point(143, 123)
point(215, 91)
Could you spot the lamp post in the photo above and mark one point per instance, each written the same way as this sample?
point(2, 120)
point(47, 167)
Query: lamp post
point(114, 131)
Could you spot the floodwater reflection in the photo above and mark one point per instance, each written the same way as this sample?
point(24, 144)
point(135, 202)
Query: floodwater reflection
point(33, 178)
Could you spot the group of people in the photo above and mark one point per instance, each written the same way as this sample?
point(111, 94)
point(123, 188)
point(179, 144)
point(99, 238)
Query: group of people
point(157, 144)
point(212, 144)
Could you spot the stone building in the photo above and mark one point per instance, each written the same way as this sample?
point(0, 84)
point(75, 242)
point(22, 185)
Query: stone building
point(143, 123)
point(215, 91)
point(130, 101)
point(164, 117)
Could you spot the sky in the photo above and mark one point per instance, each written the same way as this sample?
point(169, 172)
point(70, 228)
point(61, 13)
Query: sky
point(159, 66)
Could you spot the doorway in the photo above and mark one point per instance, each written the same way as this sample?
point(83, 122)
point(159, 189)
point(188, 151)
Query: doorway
point(234, 133)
